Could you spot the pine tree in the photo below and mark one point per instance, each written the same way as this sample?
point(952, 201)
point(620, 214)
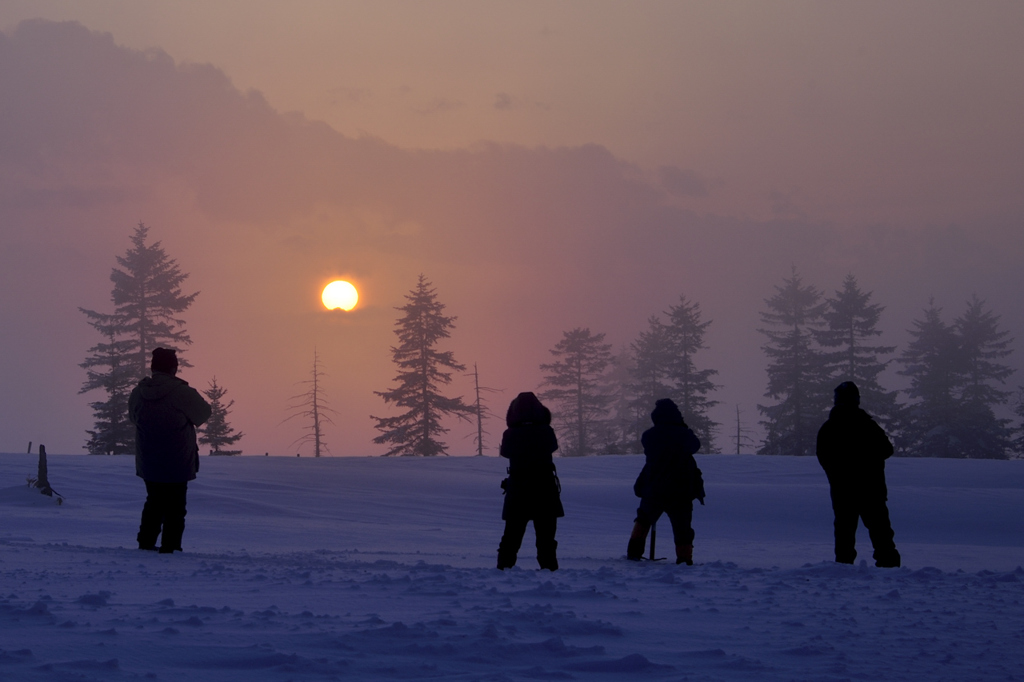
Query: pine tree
point(622, 429)
point(982, 345)
point(797, 374)
point(217, 432)
point(421, 376)
point(1018, 411)
point(952, 370)
point(931, 362)
point(113, 433)
point(852, 323)
point(651, 359)
point(691, 386)
point(148, 303)
point(577, 377)
point(313, 406)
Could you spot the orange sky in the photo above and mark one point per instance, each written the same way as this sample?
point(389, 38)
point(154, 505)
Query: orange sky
point(854, 113)
point(666, 148)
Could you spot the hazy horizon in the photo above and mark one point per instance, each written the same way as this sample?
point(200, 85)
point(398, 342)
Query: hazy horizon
point(538, 169)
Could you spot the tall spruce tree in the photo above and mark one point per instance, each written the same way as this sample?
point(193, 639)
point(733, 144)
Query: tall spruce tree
point(421, 376)
point(148, 303)
point(109, 368)
point(983, 345)
point(852, 321)
point(579, 392)
point(217, 432)
point(797, 373)
point(691, 386)
point(651, 358)
point(932, 363)
point(955, 373)
point(1018, 411)
point(621, 430)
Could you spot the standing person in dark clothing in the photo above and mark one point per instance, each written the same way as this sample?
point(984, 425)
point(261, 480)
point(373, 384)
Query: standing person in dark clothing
point(165, 411)
point(669, 482)
point(532, 488)
point(852, 450)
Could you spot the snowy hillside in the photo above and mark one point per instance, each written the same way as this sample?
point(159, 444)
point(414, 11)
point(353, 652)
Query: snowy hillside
point(370, 568)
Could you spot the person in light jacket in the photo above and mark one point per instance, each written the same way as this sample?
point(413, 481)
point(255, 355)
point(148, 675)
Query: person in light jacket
point(165, 411)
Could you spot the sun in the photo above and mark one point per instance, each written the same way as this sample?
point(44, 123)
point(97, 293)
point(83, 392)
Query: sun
point(340, 294)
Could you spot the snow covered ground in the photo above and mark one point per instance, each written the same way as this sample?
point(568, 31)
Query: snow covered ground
point(371, 568)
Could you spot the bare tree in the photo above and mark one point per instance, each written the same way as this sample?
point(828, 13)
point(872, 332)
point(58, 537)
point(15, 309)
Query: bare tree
point(481, 410)
point(312, 405)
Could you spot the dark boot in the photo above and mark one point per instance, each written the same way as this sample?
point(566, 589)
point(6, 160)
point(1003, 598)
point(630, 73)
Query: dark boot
point(887, 559)
point(511, 540)
point(684, 554)
point(637, 541)
point(546, 555)
point(505, 559)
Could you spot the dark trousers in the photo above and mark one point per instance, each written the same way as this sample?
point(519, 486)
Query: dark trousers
point(512, 540)
point(875, 515)
point(164, 509)
point(681, 516)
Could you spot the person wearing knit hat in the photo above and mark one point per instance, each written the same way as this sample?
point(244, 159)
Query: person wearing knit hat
point(165, 411)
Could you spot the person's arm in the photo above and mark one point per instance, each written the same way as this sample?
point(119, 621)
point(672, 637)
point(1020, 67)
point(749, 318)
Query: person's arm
point(196, 409)
point(883, 446)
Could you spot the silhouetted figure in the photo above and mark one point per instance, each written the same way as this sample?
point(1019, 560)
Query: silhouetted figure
point(852, 450)
point(532, 488)
point(669, 482)
point(165, 411)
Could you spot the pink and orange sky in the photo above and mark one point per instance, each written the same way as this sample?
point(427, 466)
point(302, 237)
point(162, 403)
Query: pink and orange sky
point(546, 165)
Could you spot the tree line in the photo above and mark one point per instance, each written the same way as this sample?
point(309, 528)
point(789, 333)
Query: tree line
point(955, 403)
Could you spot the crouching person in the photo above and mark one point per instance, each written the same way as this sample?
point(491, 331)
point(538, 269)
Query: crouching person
point(531, 489)
point(165, 411)
point(669, 482)
point(852, 450)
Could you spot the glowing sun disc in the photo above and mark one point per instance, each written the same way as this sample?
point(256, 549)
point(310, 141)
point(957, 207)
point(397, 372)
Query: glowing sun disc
point(340, 294)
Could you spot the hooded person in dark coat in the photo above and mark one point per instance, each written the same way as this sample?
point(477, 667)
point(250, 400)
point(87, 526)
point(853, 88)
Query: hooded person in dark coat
point(852, 450)
point(165, 411)
point(532, 488)
point(669, 482)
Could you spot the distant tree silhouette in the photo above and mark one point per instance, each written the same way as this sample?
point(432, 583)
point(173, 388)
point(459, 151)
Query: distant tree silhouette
point(577, 378)
point(626, 422)
point(313, 407)
point(480, 410)
point(797, 373)
point(217, 432)
point(691, 386)
point(649, 371)
point(983, 345)
point(421, 375)
point(953, 370)
point(852, 321)
point(148, 302)
point(108, 367)
point(1018, 410)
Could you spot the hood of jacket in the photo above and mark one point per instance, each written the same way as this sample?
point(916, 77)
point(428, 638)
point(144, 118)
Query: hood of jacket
point(159, 386)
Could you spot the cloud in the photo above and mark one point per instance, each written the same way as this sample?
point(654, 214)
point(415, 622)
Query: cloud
point(439, 105)
point(682, 183)
point(502, 101)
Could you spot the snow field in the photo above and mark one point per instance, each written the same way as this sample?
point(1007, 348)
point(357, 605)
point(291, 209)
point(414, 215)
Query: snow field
point(371, 568)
